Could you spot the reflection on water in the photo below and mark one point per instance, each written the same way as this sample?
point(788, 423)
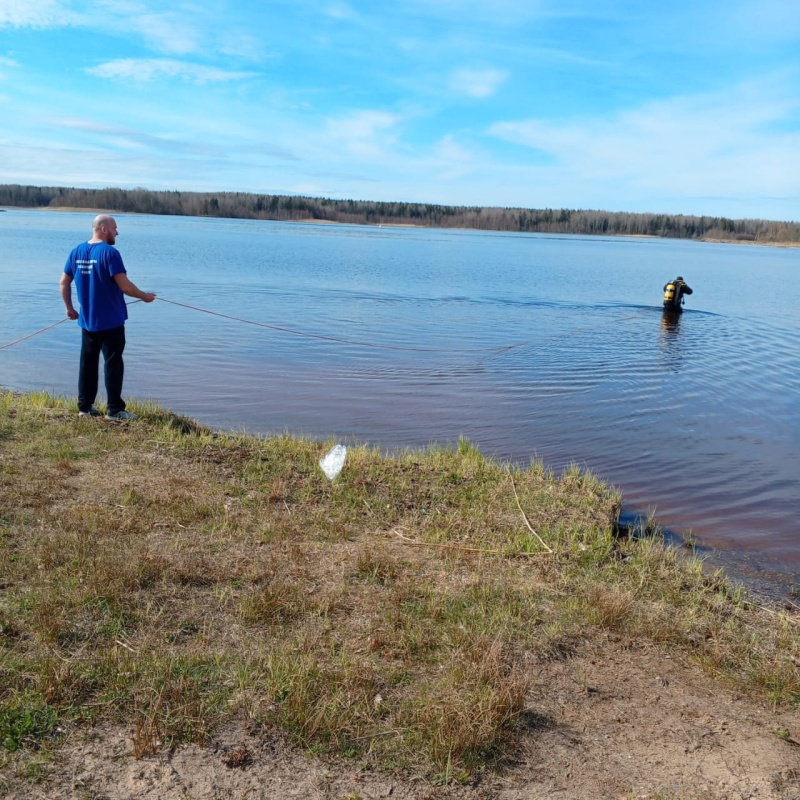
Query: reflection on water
point(669, 342)
point(500, 338)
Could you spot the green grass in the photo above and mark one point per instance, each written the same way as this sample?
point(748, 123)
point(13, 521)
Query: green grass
point(164, 577)
point(26, 720)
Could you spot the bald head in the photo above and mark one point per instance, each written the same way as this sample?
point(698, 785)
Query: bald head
point(104, 229)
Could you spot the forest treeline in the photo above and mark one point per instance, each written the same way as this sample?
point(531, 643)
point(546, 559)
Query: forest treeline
point(241, 205)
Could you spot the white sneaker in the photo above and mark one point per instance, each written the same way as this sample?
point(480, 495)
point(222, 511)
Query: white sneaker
point(92, 412)
point(122, 416)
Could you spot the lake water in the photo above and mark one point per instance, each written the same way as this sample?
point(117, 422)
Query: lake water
point(527, 345)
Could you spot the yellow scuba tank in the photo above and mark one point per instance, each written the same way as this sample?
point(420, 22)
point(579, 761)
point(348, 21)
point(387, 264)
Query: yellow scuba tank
point(669, 293)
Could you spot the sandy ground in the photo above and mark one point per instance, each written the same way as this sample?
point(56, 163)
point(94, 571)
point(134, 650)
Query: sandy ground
point(626, 722)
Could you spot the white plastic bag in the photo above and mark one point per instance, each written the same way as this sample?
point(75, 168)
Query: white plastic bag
point(333, 462)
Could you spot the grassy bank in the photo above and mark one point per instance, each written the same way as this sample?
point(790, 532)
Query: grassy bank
point(168, 578)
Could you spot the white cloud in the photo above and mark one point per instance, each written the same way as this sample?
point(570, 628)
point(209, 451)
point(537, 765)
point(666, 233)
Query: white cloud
point(366, 134)
point(150, 69)
point(477, 83)
point(38, 14)
point(728, 143)
point(341, 11)
point(6, 64)
point(449, 149)
point(125, 139)
point(452, 160)
point(166, 32)
point(429, 77)
point(499, 13)
point(775, 20)
point(172, 32)
point(241, 45)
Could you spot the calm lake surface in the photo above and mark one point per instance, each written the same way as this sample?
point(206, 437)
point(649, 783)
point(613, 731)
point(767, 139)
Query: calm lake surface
point(527, 345)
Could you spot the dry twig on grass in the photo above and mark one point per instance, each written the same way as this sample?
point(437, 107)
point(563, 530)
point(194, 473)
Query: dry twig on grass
point(516, 497)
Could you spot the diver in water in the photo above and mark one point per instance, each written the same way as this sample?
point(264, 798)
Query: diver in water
point(673, 295)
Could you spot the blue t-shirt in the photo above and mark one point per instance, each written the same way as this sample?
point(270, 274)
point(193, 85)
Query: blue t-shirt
point(102, 303)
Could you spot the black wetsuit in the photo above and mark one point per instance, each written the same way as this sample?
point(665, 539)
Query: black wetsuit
point(681, 288)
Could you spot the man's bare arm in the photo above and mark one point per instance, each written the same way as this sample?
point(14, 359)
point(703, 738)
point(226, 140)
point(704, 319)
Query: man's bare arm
point(132, 290)
point(66, 295)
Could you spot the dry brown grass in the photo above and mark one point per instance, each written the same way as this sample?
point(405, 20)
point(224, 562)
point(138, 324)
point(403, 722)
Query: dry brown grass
point(161, 575)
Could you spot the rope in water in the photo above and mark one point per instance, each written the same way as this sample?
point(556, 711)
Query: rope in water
point(337, 339)
point(43, 330)
point(31, 335)
point(306, 334)
point(293, 332)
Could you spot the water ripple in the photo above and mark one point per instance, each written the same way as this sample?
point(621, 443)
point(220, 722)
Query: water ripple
point(698, 417)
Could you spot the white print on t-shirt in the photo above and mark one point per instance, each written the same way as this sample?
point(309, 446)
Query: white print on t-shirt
point(85, 265)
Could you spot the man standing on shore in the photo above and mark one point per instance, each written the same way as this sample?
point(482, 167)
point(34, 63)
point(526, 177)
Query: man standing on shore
point(101, 283)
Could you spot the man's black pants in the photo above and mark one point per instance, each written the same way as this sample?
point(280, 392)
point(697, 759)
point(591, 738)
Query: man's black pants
point(110, 343)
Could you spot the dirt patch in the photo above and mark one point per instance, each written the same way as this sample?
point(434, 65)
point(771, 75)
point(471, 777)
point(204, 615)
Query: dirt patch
point(618, 722)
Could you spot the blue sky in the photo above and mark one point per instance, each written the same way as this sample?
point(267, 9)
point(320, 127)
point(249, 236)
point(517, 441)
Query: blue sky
point(679, 107)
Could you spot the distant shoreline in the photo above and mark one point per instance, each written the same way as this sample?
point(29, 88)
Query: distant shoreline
point(704, 239)
point(300, 208)
point(745, 241)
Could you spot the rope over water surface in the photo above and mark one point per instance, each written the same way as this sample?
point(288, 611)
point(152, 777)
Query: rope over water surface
point(306, 334)
point(356, 343)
